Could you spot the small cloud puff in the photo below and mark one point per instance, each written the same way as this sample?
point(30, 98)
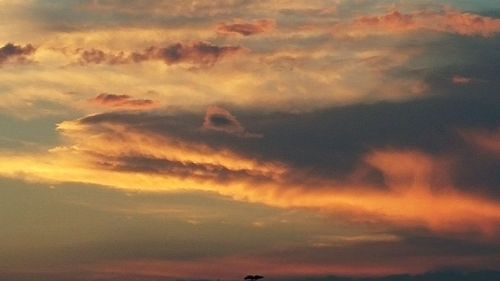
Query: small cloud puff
point(221, 120)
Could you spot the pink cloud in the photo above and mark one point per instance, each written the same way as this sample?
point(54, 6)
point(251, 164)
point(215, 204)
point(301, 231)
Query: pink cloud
point(448, 21)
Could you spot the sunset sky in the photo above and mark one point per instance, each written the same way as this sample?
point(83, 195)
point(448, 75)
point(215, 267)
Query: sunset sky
point(187, 140)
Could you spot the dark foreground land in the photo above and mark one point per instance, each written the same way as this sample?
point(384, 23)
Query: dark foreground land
point(430, 276)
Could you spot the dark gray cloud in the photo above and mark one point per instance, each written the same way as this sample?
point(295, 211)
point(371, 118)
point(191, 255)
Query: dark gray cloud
point(202, 53)
point(331, 143)
point(454, 56)
point(98, 56)
point(12, 51)
point(197, 53)
point(440, 275)
point(219, 119)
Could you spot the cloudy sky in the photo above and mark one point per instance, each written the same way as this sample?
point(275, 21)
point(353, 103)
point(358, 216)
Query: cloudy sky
point(181, 140)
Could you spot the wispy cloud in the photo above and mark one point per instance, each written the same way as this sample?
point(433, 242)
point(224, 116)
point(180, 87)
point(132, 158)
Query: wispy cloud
point(246, 28)
point(123, 102)
point(197, 53)
point(447, 21)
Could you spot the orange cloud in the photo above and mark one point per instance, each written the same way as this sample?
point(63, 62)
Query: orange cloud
point(449, 21)
point(229, 267)
point(246, 28)
point(418, 190)
point(123, 102)
point(418, 195)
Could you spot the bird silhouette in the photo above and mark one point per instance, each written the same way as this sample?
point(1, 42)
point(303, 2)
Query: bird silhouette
point(253, 277)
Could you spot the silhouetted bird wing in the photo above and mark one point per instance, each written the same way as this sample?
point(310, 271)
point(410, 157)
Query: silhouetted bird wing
point(257, 277)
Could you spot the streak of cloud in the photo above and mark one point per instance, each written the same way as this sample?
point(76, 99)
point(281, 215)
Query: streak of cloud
point(246, 28)
point(448, 21)
point(123, 102)
point(461, 80)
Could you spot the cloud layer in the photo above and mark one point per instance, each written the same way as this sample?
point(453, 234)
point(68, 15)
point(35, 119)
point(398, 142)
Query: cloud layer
point(294, 138)
point(394, 179)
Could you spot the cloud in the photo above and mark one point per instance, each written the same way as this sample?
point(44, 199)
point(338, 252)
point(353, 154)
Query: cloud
point(447, 21)
point(123, 102)
point(467, 24)
point(486, 140)
point(201, 53)
point(221, 120)
point(246, 28)
point(155, 270)
point(197, 53)
point(461, 80)
point(10, 52)
point(98, 56)
point(166, 9)
point(300, 129)
point(384, 174)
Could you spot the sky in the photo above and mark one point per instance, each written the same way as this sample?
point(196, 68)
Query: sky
point(208, 140)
